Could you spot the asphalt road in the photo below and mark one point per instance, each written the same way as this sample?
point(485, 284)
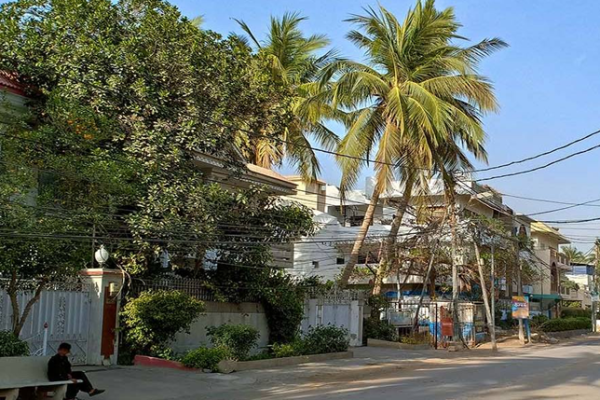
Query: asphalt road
point(565, 371)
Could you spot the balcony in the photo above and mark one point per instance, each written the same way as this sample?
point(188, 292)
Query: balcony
point(576, 295)
point(561, 261)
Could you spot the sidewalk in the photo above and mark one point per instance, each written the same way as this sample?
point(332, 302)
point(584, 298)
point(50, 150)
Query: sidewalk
point(369, 362)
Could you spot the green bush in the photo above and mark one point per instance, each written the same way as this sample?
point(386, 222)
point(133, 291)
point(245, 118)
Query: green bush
point(237, 339)
point(325, 339)
point(12, 346)
point(566, 324)
point(538, 321)
point(152, 319)
point(575, 312)
point(205, 358)
point(283, 301)
point(288, 349)
point(374, 328)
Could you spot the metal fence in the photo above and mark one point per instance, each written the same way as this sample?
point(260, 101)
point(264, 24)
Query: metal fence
point(434, 321)
point(193, 287)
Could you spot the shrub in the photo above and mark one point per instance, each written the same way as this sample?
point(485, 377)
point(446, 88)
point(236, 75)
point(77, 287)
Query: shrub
point(538, 321)
point(205, 358)
point(288, 349)
point(152, 319)
point(12, 346)
point(575, 312)
point(237, 339)
point(283, 301)
point(415, 339)
point(566, 324)
point(325, 339)
point(379, 329)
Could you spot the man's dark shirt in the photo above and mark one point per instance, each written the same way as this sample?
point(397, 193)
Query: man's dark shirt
point(59, 368)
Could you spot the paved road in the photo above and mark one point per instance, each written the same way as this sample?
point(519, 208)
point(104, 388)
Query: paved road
point(566, 371)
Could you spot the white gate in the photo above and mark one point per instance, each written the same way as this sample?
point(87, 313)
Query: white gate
point(64, 308)
point(341, 308)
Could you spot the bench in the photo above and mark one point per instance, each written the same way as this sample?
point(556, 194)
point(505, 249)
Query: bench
point(28, 372)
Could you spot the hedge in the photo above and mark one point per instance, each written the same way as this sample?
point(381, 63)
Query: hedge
point(575, 312)
point(566, 324)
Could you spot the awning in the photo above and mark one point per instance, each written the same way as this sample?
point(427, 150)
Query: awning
point(545, 297)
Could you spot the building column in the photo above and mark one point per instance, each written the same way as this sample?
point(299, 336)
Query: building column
point(355, 323)
point(105, 300)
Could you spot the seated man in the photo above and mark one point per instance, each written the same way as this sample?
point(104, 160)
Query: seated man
point(59, 369)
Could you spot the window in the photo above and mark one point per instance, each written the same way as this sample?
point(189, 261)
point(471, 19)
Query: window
point(315, 264)
point(340, 261)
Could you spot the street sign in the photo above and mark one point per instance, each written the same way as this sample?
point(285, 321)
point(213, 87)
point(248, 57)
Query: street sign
point(520, 307)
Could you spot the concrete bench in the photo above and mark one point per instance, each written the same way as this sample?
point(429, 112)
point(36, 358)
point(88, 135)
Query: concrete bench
point(28, 372)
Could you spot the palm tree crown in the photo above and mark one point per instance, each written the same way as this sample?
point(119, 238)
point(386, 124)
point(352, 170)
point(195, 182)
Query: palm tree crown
point(294, 61)
point(417, 102)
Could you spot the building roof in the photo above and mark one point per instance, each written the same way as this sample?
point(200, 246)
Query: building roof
point(10, 83)
point(298, 178)
point(542, 228)
point(265, 172)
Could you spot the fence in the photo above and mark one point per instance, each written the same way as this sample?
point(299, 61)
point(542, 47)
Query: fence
point(434, 322)
point(192, 287)
point(60, 315)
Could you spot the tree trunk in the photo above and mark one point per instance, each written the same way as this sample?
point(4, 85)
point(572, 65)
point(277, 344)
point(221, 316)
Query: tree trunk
point(428, 272)
point(388, 255)
point(456, 336)
point(520, 293)
point(18, 318)
point(486, 303)
point(360, 239)
point(432, 279)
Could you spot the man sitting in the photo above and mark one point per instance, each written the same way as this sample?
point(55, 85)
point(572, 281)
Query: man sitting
point(59, 369)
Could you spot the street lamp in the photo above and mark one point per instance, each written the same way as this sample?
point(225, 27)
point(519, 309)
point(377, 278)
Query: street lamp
point(101, 255)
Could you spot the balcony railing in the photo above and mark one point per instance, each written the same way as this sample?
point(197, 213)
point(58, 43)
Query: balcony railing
point(558, 257)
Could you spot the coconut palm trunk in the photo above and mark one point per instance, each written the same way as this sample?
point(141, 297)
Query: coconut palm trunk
point(484, 294)
point(360, 239)
point(388, 258)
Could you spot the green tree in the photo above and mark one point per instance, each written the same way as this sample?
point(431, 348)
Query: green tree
point(122, 97)
point(574, 255)
point(418, 98)
point(293, 60)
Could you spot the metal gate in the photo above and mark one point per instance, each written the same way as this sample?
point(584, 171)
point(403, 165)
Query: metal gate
point(60, 315)
point(432, 318)
point(341, 308)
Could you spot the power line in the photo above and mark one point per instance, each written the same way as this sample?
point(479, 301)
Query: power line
point(541, 154)
point(527, 171)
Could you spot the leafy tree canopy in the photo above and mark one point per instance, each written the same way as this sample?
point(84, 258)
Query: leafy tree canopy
point(122, 97)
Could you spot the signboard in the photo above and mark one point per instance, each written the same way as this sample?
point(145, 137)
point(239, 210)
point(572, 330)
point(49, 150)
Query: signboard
point(400, 318)
point(520, 307)
point(447, 326)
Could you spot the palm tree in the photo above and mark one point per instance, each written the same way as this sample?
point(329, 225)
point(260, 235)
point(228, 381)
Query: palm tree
point(293, 60)
point(419, 98)
point(575, 255)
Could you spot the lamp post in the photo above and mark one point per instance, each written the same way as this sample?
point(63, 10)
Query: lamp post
point(101, 256)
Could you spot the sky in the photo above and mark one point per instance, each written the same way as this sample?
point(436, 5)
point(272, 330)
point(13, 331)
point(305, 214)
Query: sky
point(547, 84)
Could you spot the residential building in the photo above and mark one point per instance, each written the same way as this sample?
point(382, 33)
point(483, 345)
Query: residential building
point(550, 264)
point(338, 220)
point(582, 277)
point(12, 97)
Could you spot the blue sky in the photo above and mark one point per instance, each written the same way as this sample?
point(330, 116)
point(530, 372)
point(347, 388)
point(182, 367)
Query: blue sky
point(547, 83)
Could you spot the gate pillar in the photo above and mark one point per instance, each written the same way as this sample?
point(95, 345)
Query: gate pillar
point(104, 310)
